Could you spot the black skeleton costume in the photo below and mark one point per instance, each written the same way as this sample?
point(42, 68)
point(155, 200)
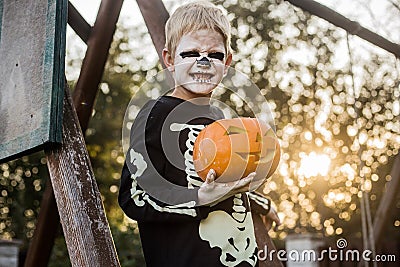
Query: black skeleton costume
point(159, 190)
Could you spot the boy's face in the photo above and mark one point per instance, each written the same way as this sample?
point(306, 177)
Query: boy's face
point(199, 64)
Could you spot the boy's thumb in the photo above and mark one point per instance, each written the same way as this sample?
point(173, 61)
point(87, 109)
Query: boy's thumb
point(210, 176)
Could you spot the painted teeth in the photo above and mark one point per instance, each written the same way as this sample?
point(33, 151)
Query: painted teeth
point(202, 78)
point(202, 81)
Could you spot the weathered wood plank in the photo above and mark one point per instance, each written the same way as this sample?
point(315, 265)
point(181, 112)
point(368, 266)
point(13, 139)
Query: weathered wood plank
point(9, 251)
point(265, 244)
point(32, 52)
point(387, 202)
point(80, 207)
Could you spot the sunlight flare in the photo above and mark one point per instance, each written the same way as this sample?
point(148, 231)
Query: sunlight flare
point(314, 164)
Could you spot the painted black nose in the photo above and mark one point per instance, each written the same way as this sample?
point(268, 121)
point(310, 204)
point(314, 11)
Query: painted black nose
point(203, 62)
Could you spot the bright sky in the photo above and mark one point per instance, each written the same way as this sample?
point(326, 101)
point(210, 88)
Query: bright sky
point(350, 9)
point(357, 10)
point(130, 12)
point(89, 9)
point(360, 11)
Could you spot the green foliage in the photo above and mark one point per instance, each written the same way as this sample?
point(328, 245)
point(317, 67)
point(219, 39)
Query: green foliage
point(330, 105)
point(22, 183)
point(59, 256)
point(128, 244)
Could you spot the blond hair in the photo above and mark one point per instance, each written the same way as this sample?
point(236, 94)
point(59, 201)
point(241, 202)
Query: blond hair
point(193, 17)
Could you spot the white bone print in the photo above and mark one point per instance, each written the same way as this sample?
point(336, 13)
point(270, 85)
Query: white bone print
point(138, 161)
point(141, 197)
point(194, 130)
point(236, 241)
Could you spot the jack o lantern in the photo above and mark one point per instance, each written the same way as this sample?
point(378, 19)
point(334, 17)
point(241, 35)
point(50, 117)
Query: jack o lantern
point(236, 147)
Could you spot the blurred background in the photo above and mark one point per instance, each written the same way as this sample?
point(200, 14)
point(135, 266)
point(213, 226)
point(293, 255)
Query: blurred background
point(334, 97)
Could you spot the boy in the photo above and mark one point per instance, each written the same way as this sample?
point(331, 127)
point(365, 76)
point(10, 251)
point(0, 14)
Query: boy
point(182, 220)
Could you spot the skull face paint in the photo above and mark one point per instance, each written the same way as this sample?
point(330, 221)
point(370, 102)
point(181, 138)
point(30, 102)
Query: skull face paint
point(199, 64)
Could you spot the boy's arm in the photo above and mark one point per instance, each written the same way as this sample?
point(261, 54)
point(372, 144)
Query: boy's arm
point(262, 206)
point(259, 203)
point(141, 206)
point(145, 194)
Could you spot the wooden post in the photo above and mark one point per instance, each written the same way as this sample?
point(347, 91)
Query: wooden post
point(387, 202)
point(78, 23)
point(99, 41)
point(155, 22)
point(95, 59)
point(265, 243)
point(80, 207)
point(9, 251)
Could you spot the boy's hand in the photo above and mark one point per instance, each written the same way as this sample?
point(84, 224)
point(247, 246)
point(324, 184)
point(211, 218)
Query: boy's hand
point(212, 192)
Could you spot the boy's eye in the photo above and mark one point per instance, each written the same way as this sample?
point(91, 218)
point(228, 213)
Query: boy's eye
point(214, 55)
point(189, 54)
point(217, 55)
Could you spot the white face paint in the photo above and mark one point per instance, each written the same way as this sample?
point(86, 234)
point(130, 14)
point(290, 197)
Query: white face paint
point(191, 77)
point(234, 235)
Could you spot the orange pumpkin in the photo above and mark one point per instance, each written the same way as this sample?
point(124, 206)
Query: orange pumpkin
point(236, 147)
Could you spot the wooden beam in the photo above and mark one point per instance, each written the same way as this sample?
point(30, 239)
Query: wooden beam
point(78, 23)
point(387, 202)
point(350, 26)
point(155, 22)
point(95, 59)
point(79, 203)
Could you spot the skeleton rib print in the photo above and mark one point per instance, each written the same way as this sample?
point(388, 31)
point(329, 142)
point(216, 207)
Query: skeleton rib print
point(237, 243)
point(191, 176)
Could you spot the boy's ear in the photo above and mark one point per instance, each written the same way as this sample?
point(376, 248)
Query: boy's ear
point(227, 63)
point(168, 60)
